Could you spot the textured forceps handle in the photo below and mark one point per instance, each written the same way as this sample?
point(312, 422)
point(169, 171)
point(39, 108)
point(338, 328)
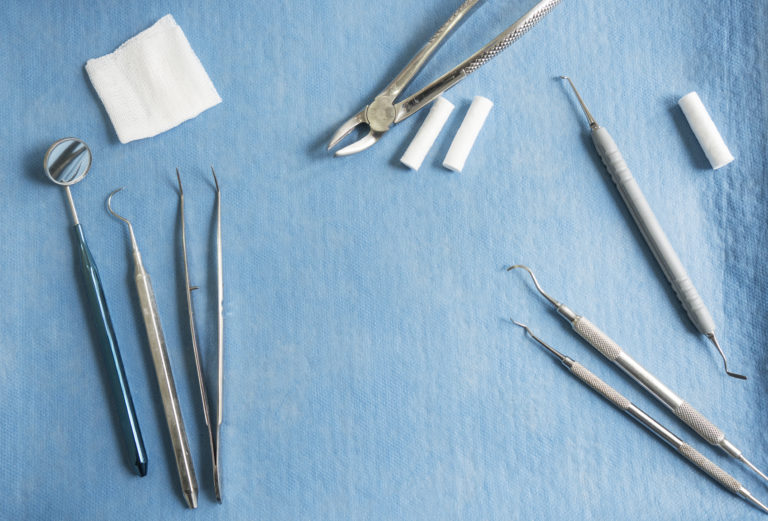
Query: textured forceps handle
point(412, 104)
point(652, 232)
point(413, 67)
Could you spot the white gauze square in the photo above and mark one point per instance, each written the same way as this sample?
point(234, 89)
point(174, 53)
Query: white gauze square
point(152, 82)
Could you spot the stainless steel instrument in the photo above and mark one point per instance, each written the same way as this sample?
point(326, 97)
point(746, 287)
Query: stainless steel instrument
point(611, 350)
point(588, 378)
point(383, 112)
point(213, 433)
point(162, 365)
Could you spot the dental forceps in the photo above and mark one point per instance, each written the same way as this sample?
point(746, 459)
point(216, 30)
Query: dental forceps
point(383, 112)
point(162, 364)
point(611, 350)
point(213, 433)
point(700, 461)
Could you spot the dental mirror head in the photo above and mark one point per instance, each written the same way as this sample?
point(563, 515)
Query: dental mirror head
point(67, 161)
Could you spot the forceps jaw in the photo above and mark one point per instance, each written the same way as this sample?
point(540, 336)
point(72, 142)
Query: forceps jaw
point(379, 116)
point(366, 142)
point(347, 127)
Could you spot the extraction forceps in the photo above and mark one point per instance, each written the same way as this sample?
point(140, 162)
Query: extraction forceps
point(213, 433)
point(652, 231)
point(162, 365)
point(611, 350)
point(383, 112)
point(588, 378)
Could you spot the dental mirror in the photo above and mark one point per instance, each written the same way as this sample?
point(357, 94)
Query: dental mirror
point(66, 162)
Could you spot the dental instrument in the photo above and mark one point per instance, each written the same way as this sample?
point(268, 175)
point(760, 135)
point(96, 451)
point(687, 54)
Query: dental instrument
point(383, 112)
point(611, 350)
point(651, 230)
point(66, 162)
point(219, 340)
point(162, 364)
point(213, 439)
point(588, 378)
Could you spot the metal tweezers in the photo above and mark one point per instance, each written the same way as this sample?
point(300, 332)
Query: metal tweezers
point(214, 433)
point(383, 112)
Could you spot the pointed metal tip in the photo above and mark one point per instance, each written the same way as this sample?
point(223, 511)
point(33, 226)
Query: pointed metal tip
point(551, 349)
point(215, 179)
point(126, 221)
point(109, 199)
point(178, 178)
point(536, 283)
point(752, 499)
point(592, 123)
point(751, 466)
point(712, 337)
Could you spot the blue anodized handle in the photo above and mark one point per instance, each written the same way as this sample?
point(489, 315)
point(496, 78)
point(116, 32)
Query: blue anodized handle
point(129, 423)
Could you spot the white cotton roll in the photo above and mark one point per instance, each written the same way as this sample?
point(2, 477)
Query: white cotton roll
point(705, 130)
point(467, 134)
point(424, 139)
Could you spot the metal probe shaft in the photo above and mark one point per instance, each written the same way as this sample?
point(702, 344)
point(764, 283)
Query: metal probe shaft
point(619, 401)
point(611, 350)
point(162, 365)
point(652, 231)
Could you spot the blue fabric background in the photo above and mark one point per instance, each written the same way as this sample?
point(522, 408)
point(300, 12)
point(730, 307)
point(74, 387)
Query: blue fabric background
point(371, 370)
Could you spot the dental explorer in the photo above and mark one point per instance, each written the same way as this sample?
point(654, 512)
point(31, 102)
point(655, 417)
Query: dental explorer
point(588, 378)
point(611, 350)
point(212, 439)
point(67, 162)
point(651, 230)
point(162, 364)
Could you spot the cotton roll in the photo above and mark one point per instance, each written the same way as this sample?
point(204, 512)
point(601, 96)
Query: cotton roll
point(467, 134)
point(705, 130)
point(424, 139)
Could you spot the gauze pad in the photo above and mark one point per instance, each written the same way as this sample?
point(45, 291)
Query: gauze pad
point(152, 82)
